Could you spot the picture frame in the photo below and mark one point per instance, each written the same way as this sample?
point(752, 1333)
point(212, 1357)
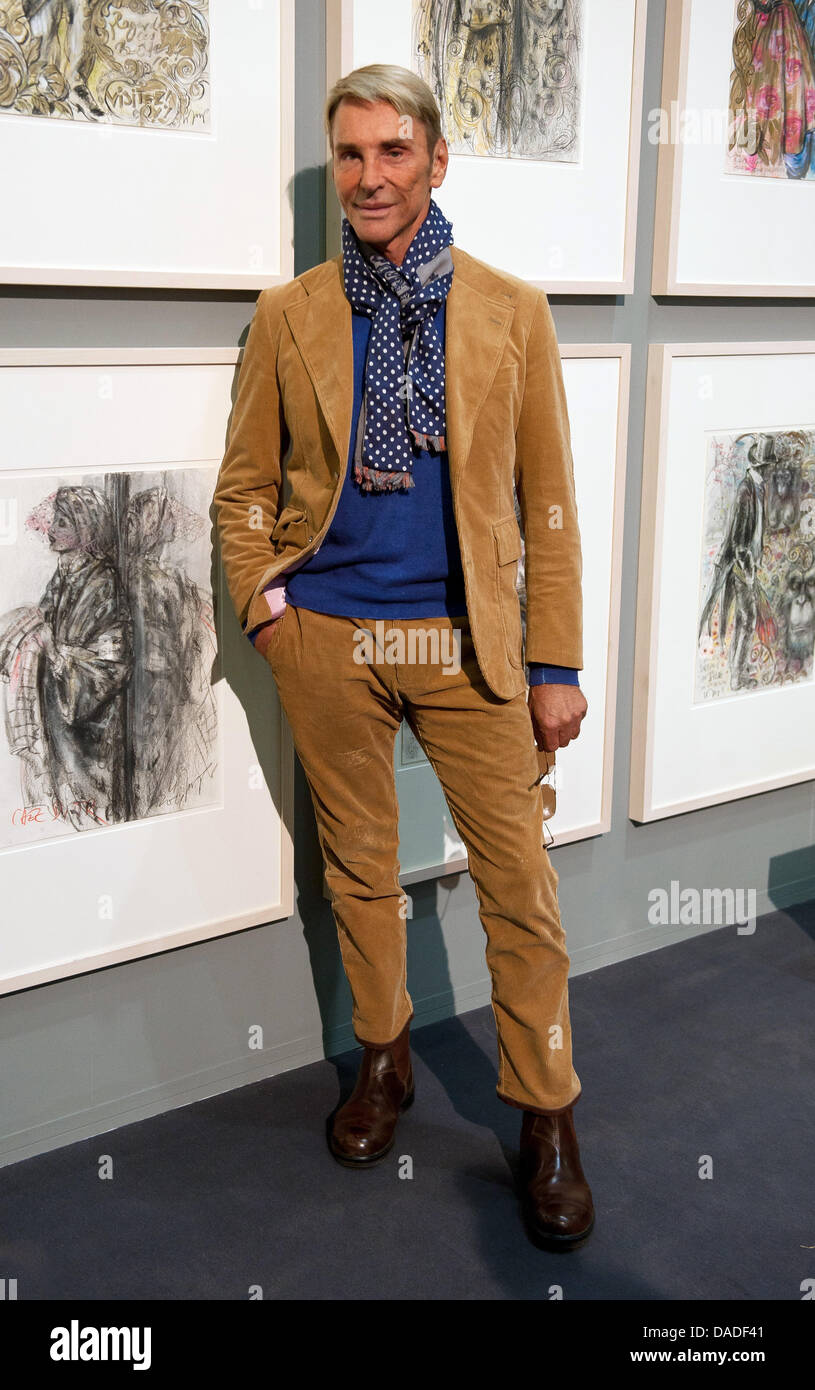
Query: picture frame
point(207, 207)
point(552, 244)
point(720, 699)
point(719, 232)
point(597, 380)
point(143, 688)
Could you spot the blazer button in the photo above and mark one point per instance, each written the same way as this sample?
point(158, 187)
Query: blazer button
point(309, 539)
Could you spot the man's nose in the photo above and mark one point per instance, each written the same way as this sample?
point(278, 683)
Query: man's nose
point(371, 174)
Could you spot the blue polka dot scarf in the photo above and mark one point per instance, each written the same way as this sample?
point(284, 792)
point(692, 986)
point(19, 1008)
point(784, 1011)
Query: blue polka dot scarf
point(403, 408)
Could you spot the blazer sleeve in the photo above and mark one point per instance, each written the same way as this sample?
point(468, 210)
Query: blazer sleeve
point(544, 480)
point(248, 487)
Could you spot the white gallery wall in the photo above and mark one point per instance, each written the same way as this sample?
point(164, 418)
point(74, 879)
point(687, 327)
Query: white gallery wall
point(86, 1054)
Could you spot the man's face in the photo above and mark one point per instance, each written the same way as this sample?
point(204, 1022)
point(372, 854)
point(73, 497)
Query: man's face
point(383, 173)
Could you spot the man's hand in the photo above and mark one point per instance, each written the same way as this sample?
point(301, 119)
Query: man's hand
point(557, 712)
point(264, 636)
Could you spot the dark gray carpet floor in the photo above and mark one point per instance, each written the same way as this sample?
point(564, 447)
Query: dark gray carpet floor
point(704, 1048)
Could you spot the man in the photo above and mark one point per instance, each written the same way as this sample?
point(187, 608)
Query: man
point(414, 386)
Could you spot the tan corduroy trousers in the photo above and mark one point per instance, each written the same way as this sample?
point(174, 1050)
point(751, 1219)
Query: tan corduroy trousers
point(345, 701)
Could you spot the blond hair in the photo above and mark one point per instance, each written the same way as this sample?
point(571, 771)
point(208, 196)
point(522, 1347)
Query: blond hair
point(407, 94)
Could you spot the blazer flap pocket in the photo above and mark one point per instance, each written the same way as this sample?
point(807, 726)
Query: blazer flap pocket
point(507, 539)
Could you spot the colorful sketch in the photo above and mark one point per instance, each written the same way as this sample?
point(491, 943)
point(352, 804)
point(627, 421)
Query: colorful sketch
point(757, 583)
point(107, 642)
point(130, 62)
point(772, 90)
point(506, 74)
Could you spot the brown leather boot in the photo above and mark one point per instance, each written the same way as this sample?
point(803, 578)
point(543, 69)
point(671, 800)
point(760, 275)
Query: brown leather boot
point(363, 1129)
point(556, 1198)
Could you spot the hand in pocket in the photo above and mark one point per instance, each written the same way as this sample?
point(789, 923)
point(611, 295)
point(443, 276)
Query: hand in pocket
point(266, 634)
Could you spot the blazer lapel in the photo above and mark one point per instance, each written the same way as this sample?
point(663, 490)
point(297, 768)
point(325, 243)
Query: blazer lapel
point(476, 329)
point(321, 328)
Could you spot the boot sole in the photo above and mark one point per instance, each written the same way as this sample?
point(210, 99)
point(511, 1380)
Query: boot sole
point(370, 1158)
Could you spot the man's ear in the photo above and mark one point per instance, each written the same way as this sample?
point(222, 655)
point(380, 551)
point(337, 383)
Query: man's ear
point(439, 163)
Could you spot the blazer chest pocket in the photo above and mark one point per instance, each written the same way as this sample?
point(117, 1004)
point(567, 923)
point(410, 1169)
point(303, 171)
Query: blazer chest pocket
point(291, 528)
point(508, 551)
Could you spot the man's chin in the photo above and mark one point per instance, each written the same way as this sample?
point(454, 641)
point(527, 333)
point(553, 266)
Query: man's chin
point(375, 231)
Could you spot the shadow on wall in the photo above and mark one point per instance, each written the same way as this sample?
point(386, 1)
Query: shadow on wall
point(791, 878)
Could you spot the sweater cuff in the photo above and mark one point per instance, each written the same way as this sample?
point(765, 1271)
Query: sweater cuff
point(541, 674)
point(275, 593)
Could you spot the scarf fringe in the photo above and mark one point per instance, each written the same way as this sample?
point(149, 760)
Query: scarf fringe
point(377, 480)
point(434, 443)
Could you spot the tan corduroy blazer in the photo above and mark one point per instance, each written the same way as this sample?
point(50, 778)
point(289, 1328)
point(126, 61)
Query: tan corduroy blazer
point(506, 420)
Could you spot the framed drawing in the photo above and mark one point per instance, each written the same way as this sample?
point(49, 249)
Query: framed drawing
point(541, 108)
point(429, 844)
point(146, 143)
point(724, 687)
point(143, 804)
point(597, 388)
point(736, 186)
